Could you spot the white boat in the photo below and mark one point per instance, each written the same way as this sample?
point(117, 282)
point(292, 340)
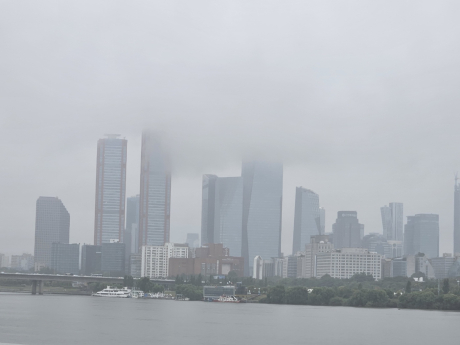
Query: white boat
point(114, 292)
point(227, 299)
point(137, 294)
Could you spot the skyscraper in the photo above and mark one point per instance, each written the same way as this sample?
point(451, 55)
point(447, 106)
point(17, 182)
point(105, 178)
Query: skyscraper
point(322, 220)
point(262, 208)
point(222, 212)
point(109, 220)
point(456, 217)
point(307, 218)
point(347, 230)
point(155, 193)
point(421, 235)
point(208, 205)
point(131, 238)
point(393, 221)
point(52, 222)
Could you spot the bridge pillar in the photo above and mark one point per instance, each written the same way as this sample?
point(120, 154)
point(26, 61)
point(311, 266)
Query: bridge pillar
point(40, 287)
point(34, 287)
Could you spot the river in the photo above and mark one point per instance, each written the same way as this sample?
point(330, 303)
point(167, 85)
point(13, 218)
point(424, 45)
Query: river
point(57, 319)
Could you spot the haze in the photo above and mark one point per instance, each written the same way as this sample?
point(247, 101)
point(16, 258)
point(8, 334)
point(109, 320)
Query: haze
point(360, 100)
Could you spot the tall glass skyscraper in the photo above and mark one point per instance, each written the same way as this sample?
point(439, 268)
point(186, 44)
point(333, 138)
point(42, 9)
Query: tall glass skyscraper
point(421, 235)
point(208, 206)
point(132, 225)
point(347, 230)
point(222, 212)
point(52, 223)
point(456, 217)
point(262, 211)
point(393, 221)
point(307, 218)
point(155, 193)
point(109, 221)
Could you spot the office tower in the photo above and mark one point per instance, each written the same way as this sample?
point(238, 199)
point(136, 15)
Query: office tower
point(318, 244)
point(193, 240)
point(155, 259)
point(91, 259)
point(4, 261)
point(208, 205)
point(347, 230)
point(398, 267)
point(222, 212)
point(155, 195)
point(52, 222)
point(421, 235)
point(132, 224)
point(393, 221)
point(307, 218)
point(109, 220)
point(262, 206)
point(456, 217)
point(345, 263)
point(113, 259)
point(322, 220)
point(443, 265)
point(65, 258)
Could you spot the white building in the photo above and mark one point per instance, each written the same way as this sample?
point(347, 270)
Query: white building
point(345, 263)
point(155, 259)
point(318, 244)
point(258, 268)
point(4, 260)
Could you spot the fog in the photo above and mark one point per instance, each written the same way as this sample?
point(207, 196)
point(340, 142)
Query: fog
point(360, 100)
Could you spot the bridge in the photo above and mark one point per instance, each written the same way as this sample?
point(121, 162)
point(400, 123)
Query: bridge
point(38, 279)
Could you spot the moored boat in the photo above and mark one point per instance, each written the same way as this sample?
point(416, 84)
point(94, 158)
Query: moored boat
point(113, 292)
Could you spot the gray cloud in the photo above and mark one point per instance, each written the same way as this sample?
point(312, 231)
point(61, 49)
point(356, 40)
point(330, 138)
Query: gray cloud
point(359, 99)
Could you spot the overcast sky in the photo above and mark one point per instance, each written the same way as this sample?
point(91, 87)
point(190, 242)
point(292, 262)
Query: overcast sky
point(361, 101)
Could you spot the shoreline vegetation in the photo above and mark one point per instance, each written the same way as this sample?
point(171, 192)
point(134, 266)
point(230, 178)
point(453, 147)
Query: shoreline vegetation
point(361, 290)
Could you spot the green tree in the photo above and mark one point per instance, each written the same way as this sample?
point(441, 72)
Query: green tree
point(445, 286)
point(128, 281)
point(296, 295)
point(408, 287)
point(233, 276)
point(276, 295)
point(144, 284)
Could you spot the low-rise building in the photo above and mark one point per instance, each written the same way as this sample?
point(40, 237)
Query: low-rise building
point(23, 262)
point(442, 265)
point(113, 259)
point(345, 263)
point(91, 259)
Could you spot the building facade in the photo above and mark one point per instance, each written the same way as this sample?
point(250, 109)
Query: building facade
point(393, 221)
point(52, 223)
point(318, 244)
point(155, 193)
point(65, 258)
point(109, 220)
point(155, 259)
point(22, 262)
point(262, 211)
point(347, 230)
point(113, 259)
point(307, 218)
point(208, 205)
point(91, 257)
point(193, 240)
point(442, 265)
point(345, 263)
point(421, 235)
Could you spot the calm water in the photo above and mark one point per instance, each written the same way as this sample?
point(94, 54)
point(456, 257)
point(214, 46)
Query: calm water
point(27, 319)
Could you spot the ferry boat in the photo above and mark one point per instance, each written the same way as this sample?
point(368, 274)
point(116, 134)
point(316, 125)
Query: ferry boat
point(113, 292)
point(137, 294)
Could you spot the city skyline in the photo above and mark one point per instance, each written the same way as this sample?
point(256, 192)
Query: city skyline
point(177, 236)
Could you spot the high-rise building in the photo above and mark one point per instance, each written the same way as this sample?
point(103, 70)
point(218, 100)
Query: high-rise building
point(52, 222)
point(307, 218)
point(208, 205)
point(322, 220)
point(318, 244)
point(442, 265)
point(109, 220)
point(155, 194)
point(347, 230)
point(262, 209)
point(222, 212)
point(4, 261)
point(393, 221)
point(456, 217)
point(65, 258)
point(91, 259)
point(193, 240)
point(113, 259)
point(132, 225)
point(155, 259)
point(22, 262)
point(421, 235)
